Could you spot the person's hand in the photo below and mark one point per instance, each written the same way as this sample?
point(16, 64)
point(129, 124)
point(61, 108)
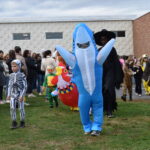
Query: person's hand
point(8, 98)
point(20, 99)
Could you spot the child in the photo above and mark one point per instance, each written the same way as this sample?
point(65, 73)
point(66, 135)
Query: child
point(17, 87)
point(49, 86)
point(127, 82)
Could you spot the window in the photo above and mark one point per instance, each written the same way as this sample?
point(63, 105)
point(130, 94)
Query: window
point(21, 36)
point(119, 33)
point(54, 35)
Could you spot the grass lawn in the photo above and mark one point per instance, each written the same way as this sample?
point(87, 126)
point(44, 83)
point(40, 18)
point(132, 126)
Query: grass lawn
point(60, 128)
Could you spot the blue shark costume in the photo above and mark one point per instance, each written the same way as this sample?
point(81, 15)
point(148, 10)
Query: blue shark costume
point(86, 63)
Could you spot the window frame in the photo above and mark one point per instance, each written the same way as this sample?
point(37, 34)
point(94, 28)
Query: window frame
point(54, 35)
point(21, 36)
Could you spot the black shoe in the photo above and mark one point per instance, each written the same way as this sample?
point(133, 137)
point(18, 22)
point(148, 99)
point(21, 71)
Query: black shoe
point(95, 133)
point(130, 97)
point(17, 105)
point(22, 124)
point(123, 97)
point(14, 125)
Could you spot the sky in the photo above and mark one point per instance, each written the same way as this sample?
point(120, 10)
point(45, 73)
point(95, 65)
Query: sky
point(58, 8)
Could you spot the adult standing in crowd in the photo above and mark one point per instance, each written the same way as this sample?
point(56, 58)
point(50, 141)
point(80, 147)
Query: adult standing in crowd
point(138, 73)
point(146, 76)
point(31, 67)
point(112, 72)
point(40, 73)
point(21, 58)
point(2, 76)
point(144, 61)
point(12, 56)
point(47, 61)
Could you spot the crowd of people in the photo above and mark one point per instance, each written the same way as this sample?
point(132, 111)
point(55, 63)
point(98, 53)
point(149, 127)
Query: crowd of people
point(139, 70)
point(118, 72)
point(34, 65)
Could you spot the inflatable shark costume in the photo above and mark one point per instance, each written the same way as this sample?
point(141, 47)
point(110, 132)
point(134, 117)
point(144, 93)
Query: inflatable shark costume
point(87, 63)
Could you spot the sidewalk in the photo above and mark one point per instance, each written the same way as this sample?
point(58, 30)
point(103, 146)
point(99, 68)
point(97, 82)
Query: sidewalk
point(135, 97)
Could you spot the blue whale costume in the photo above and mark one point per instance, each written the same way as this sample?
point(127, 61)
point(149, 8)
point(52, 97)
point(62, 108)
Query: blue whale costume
point(86, 63)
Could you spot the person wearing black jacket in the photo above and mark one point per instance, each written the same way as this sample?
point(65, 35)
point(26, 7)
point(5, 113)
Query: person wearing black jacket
point(40, 73)
point(138, 73)
point(31, 66)
point(2, 76)
point(112, 73)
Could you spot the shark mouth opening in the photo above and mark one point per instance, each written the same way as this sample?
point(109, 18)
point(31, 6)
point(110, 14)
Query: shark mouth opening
point(84, 45)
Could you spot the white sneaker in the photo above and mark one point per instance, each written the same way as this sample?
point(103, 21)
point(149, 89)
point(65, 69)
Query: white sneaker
point(40, 94)
point(31, 95)
point(26, 104)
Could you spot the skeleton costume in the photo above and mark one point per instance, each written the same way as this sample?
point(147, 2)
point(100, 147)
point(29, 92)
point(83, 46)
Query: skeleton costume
point(17, 88)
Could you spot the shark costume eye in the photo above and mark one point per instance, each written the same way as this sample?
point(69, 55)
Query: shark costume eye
point(84, 45)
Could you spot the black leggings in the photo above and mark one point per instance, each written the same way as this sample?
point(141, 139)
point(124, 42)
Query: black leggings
point(1, 92)
point(138, 88)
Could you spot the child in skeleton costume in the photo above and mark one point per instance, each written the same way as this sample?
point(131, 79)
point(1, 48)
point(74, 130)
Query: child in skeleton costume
point(16, 91)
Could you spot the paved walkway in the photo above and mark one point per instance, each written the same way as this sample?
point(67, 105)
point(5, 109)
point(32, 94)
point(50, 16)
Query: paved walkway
point(135, 97)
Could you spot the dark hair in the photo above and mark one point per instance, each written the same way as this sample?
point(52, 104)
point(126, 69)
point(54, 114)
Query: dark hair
point(25, 53)
point(17, 49)
point(1, 51)
point(37, 55)
point(12, 54)
point(48, 52)
point(44, 54)
point(33, 55)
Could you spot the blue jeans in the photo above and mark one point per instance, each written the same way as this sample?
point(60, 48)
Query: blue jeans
point(39, 82)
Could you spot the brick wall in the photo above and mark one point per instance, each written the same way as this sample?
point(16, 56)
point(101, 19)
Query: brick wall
point(141, 35)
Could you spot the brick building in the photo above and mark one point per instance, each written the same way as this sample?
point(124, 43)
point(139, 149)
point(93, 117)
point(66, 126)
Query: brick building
point(141, 35)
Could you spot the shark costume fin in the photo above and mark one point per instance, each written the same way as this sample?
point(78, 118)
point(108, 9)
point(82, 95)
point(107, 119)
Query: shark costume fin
point(67, 56)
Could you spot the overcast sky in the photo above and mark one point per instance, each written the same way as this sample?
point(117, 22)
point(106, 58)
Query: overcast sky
point(52, 8)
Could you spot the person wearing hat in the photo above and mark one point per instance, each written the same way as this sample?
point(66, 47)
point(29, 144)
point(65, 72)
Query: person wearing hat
point(49, 86)
point(17, 87)
point(112, 72)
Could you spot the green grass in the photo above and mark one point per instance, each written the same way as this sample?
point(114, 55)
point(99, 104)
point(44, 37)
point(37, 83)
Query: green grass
point(60, 129)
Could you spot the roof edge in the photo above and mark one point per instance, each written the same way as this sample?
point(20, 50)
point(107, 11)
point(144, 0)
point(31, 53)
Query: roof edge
point(66, 19)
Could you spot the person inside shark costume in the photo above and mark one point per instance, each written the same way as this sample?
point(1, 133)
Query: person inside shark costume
point(86, 63)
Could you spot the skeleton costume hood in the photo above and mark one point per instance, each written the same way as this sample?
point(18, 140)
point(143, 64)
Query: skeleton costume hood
point(18, 62)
